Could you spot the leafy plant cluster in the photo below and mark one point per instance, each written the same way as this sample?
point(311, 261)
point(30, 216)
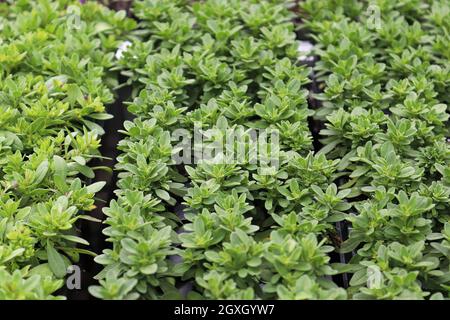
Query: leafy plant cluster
point(218, 229)
point(384, 69)
point(54, 85)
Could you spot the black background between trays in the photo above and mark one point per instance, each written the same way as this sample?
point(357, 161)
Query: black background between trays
point(92, 231)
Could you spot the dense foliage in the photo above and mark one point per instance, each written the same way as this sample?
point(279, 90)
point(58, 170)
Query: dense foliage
point(243, 161)
point(386, 72)
point(54, 84)
point(245, 230)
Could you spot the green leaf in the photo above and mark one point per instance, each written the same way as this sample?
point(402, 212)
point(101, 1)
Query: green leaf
point(349, 245)
point(59, 166)
point(55, 261)
point(96, 187)
point(101, 116)
point(85, 170)
point(162, 194)
point(74, 94)
point(74, 239)
point(80, 160)
point(150, 269)
point(60, 176)
point(88, 218)
point(94, 127)
point(359, 278)
point(41, 172)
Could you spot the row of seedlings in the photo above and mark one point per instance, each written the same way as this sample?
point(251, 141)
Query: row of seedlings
point(219, 227)
point(385, 73)
point(54, 84)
